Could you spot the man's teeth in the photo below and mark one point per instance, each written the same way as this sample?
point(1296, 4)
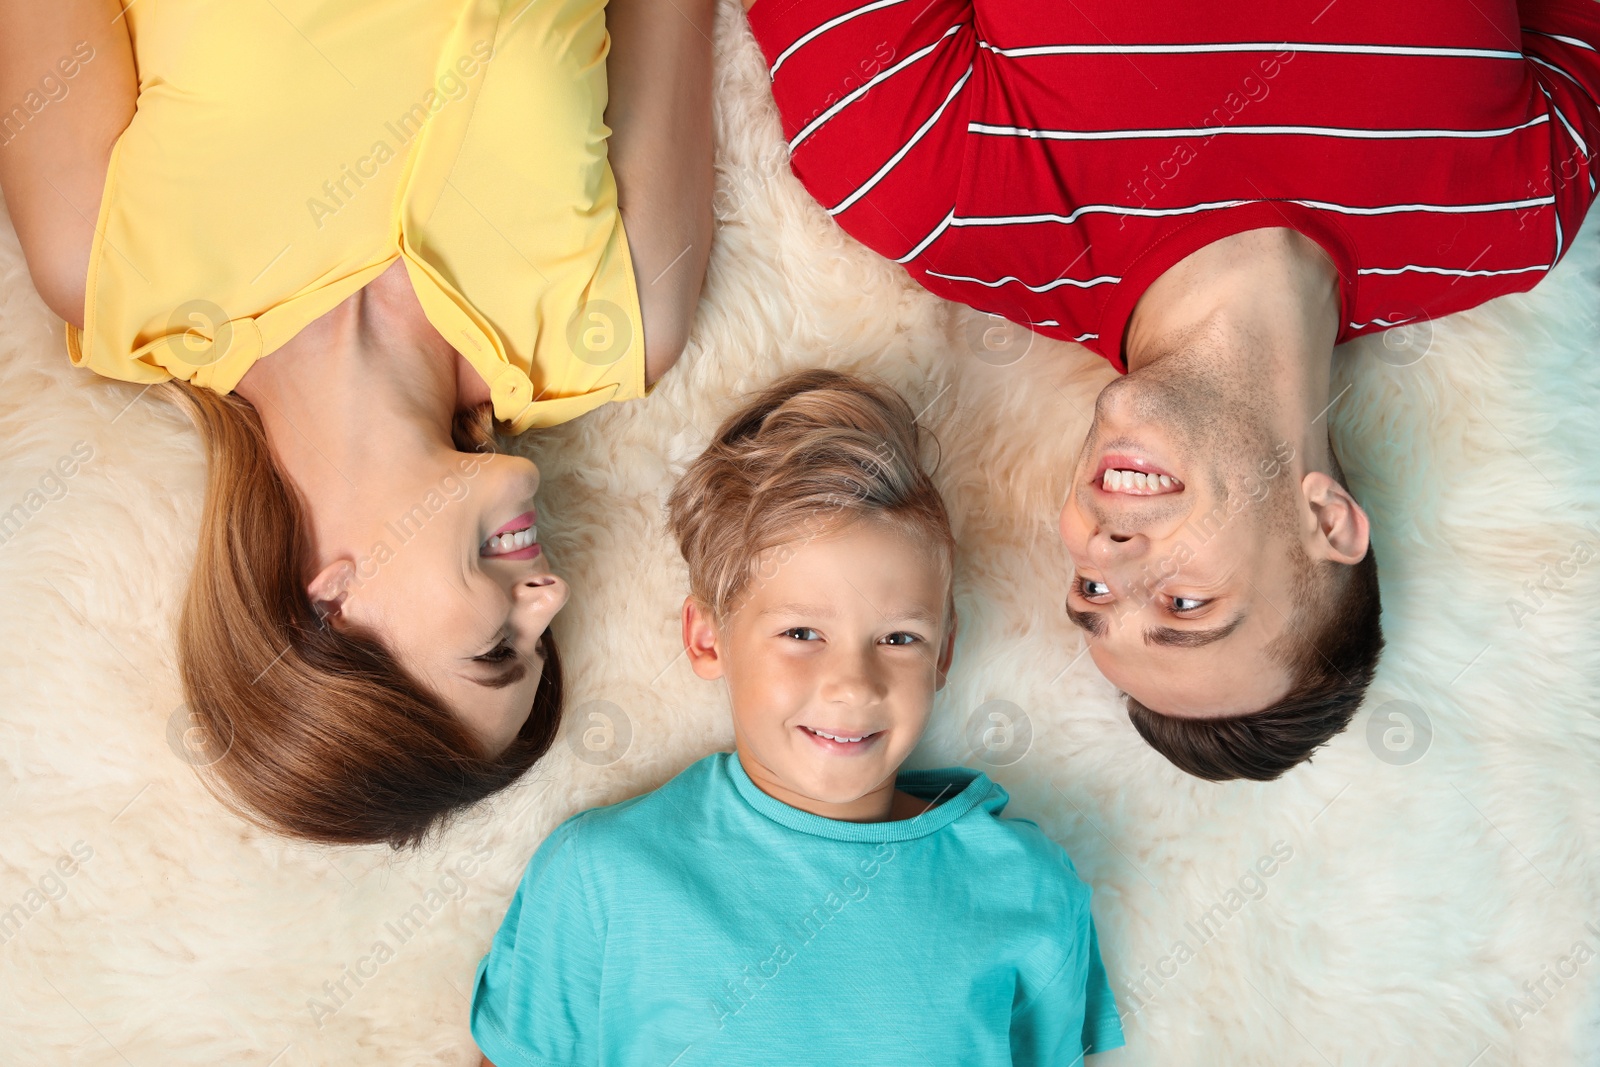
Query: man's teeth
point(502, 543)
point(1120, 481)
point(836, 737)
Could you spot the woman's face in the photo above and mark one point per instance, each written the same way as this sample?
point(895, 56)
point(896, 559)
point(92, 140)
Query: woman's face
point(457, 587)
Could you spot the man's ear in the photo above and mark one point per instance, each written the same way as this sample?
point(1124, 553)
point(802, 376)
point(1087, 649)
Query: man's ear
point(329, 589)
point(700, 640)
point(1342, 530)
point(947, 653)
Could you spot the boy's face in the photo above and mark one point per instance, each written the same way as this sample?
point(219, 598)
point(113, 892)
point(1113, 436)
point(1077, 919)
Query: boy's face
point(844, 634)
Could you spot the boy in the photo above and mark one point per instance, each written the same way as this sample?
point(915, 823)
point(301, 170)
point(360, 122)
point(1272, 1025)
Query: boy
point(803, 900)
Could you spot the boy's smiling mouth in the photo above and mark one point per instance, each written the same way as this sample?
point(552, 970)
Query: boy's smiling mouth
point(840, 740)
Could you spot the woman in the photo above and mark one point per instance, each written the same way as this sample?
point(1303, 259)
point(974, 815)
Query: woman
point(360, 233)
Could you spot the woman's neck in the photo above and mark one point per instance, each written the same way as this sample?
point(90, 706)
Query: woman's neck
point(368, 389)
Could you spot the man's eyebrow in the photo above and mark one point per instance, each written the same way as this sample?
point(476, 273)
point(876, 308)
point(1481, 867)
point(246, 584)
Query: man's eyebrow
point(509, 677)
point(1166, 635)
point(1090, 622)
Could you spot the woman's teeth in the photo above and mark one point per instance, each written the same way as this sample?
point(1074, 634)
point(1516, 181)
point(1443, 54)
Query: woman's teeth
point(502, 543)
point(1122, 481)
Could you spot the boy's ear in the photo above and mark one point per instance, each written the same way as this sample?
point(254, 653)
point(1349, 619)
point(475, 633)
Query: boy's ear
point(947, 653)
point(700, 640)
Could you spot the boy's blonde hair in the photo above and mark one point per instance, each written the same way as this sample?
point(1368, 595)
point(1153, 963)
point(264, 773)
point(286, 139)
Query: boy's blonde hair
point(808, 455)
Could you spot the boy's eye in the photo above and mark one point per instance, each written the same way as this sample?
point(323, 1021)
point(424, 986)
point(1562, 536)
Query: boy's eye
point(793, 631)
point(1181, 604)
point(906, 639)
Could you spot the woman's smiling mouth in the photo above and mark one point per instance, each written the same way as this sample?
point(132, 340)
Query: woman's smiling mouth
point(516, 540)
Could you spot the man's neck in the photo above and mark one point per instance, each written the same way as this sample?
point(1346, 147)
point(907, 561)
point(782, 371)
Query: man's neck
point(1271, 296)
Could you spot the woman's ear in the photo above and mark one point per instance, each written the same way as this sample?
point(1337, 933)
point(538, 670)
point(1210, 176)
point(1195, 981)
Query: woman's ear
point(700, 640)
point(328, 590)
point(1342, 530)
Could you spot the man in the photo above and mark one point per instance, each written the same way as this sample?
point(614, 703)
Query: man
point(1212, 197)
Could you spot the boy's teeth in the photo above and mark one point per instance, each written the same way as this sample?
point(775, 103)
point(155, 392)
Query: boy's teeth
point(835, 737)
point(511, 542)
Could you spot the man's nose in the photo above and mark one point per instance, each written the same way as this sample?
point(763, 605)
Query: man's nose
point(1108, 546)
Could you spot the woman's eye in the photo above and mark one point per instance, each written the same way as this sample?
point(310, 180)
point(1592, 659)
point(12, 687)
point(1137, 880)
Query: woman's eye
point(498, 654)
point(1181, 604)
point(1089, 589)
point(907, 639)
point(801, 630)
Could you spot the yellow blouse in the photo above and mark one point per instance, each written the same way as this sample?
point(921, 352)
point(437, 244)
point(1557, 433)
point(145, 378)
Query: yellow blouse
point(284, 153)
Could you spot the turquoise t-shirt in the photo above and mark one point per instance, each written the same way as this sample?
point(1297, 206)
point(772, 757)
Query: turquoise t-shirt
point(706, 924)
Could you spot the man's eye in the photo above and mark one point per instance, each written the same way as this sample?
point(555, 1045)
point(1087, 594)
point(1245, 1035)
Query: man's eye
point(498, 654)
point(909, 639)
point(1089, 589)
point(793, 630)
point(1181, 604)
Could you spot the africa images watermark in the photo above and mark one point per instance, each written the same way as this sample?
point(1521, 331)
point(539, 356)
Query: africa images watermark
point(1252, 89)
point(1204, 527)
point(450, 87)
point(1553, 977)
point(53, 88)
point(1553, 578)
point(50, 886)
point(1249, 888)
point(450, 887)
point(853, 887)
point(52, 486)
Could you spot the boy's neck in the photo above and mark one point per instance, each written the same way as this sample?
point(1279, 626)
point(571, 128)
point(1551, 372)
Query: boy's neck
point(884, 803)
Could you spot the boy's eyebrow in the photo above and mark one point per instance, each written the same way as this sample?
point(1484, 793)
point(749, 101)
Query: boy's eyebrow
point(824, 611)
point(800, 609)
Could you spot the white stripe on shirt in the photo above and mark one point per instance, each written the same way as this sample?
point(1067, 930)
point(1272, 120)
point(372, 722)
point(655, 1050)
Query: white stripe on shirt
point(839, 20)
point(1148, 212)
point(1191, 131)
point(1582, 147)
point(851, 98)
point(1450, 271)
point(894, 160)
point(1083, 283)
point(1381, 322)
point(928, 240)
point(1247, 46)
point(1558, 37)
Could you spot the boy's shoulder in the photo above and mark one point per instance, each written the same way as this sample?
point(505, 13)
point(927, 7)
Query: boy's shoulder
point(676, 805)
point(1011, 844)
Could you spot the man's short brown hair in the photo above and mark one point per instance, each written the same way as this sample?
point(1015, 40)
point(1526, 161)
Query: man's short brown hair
point(1331, 648)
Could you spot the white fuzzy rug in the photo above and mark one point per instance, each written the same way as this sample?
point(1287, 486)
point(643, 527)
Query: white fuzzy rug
point(1444, 910)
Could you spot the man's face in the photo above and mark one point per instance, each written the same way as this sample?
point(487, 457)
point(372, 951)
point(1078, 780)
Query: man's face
point(1182, 525)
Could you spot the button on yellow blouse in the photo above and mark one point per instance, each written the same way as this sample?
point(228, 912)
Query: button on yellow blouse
point(283, 154)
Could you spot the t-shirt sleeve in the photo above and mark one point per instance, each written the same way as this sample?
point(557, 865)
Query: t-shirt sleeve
point(1075, 1013)
point(1561, 40)
point(536, 1000)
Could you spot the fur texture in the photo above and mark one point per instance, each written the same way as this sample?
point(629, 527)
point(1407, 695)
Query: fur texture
point(1439, 911)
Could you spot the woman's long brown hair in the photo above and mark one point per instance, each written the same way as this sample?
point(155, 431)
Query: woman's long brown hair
point(305, 729)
